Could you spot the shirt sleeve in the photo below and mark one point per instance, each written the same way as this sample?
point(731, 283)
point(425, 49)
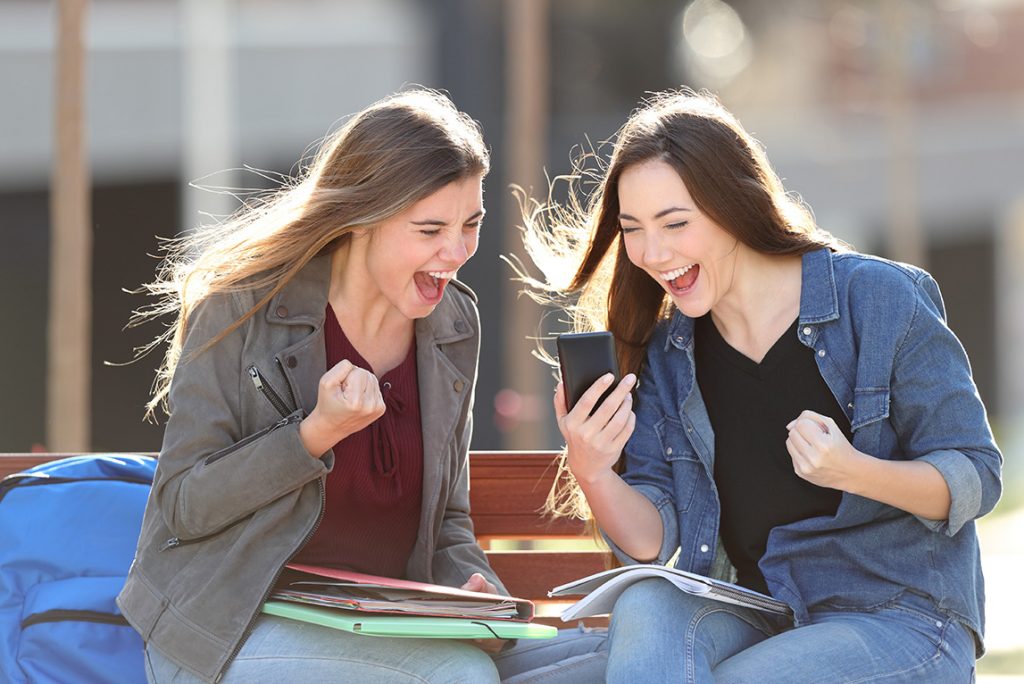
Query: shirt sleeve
point(939, 416)
point(647, 471)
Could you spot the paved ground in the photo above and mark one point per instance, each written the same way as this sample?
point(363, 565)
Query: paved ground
point(1002, 549)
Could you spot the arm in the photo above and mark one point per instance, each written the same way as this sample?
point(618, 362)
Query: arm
point(950, 472)
point(458, 556)
point(209, 474)
point(593, 445)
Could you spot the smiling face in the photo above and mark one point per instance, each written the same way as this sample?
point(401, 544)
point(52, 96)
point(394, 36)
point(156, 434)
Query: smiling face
point(667, 235)
point(411, 257)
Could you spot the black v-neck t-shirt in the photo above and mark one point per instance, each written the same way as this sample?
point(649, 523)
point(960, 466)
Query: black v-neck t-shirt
point(749, 405)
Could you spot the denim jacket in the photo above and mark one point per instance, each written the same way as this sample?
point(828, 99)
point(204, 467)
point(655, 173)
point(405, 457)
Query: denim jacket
point(881, 344)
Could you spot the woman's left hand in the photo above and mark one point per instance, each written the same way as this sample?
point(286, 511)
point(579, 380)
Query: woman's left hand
point(820, 451)
point(478, 582)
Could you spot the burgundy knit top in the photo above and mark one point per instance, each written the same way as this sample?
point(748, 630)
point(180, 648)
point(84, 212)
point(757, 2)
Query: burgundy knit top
point(372, 512)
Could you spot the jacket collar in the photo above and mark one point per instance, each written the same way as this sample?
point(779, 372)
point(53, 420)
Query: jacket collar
point(819, 301)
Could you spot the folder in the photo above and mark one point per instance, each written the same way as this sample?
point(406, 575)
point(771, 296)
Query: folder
point(409, 626)
point(353, 591)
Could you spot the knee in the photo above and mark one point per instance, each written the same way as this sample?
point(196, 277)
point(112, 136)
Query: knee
point(643, 602)
point(466, 664)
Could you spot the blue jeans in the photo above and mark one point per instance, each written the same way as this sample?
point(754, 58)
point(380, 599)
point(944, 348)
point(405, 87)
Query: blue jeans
point(282, 650)
point(661, 634)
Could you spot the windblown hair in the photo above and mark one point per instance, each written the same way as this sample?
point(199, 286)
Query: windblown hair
point(729, 178)
point(380, 162)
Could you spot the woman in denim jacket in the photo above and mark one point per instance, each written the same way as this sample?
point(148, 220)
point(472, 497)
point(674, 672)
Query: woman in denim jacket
point(324, 363)
point(804, 422)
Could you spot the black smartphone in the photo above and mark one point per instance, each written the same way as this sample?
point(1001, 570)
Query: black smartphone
point(583, 358)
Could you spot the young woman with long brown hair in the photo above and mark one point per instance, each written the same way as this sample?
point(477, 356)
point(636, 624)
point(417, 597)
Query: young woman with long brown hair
point(319, 381)
point(804, 422)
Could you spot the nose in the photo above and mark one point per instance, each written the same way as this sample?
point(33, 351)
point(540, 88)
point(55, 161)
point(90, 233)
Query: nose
point(655, 250)
point(455, 250)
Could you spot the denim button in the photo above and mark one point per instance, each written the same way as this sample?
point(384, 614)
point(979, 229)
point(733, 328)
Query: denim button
point(704, 548)
point(669, 451)
point(807, 331)
point(821, 352)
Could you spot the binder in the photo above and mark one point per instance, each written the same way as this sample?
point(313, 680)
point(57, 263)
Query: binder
point(371, 594)
point(370, 624)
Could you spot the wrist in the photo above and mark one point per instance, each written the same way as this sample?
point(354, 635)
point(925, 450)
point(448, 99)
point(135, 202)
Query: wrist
point(314, 436)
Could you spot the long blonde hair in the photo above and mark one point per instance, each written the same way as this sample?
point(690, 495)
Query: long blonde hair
point(384, 159)
point(729, 177)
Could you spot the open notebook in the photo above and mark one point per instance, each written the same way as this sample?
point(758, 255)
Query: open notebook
point(603, 588)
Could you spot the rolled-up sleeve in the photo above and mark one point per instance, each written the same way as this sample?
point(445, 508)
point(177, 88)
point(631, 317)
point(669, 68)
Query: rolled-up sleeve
point(939, 416)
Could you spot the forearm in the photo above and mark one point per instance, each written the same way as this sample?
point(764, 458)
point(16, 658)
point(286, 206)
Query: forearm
point(626, 516)
point(916, 487)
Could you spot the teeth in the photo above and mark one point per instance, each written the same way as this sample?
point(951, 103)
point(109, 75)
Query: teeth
point(441, 275)
point(672, 275)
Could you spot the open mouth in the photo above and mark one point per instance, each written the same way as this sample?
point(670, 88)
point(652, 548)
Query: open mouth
point(681, 280)
point(431, 284)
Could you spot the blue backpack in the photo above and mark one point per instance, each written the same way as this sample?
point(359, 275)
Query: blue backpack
point(68, 531)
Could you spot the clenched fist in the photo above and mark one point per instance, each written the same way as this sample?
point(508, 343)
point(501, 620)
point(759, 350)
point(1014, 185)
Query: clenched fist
point(348, 399)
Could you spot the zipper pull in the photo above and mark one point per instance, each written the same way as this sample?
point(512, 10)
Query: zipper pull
point(256, 379)
point(170, 543)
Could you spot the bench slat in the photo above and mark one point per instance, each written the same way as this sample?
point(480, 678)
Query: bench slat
point(530, 574)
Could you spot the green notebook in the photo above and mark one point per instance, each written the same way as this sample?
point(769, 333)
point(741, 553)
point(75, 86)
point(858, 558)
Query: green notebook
point(409, 626)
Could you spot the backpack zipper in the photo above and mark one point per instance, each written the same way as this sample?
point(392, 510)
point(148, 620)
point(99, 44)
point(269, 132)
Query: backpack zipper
point(61, 615)
point(16, 480)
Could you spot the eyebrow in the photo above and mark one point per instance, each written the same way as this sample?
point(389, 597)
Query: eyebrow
point(438, 222)
point(661, 213)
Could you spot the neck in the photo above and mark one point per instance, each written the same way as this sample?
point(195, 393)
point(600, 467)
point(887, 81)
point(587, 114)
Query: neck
point(361, 308)
point(763, 297)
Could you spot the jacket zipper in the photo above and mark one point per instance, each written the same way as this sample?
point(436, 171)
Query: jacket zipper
point(174, 542)
point(268, 391)
point(275, 399)
point(270, 589)
point(61, 615)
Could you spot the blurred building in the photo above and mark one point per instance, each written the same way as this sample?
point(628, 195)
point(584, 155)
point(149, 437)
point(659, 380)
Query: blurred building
point(901, 124)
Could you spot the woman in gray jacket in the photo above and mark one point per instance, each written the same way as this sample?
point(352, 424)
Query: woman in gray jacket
point(319, 382)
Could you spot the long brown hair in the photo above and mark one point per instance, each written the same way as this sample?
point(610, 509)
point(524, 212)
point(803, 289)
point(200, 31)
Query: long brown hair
point(383, 160)
point(727, 174)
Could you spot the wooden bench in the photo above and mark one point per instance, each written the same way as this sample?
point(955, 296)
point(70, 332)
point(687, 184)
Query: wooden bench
point(507, 491)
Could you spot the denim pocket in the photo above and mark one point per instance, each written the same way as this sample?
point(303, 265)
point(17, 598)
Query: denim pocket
point(686, 467)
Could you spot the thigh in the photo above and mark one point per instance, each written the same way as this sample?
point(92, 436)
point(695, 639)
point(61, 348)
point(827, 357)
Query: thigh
point(282, 650)
point(905, 641)
point(660, 633)
point(576, 655)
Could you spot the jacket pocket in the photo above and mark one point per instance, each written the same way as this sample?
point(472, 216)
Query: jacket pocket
point(870, 404)
point(685, 465)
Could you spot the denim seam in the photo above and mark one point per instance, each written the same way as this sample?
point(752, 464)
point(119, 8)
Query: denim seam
point(356, 661)
point(691, 631)
point(917, 666)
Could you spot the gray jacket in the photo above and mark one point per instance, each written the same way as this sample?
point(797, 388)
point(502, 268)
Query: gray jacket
point(236, 494)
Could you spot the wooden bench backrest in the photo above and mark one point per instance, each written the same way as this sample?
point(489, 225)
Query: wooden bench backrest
point(507, 492)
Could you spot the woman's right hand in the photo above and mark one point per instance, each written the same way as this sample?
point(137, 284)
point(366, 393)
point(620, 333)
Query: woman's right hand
point(594, 442)
point(348, 399)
